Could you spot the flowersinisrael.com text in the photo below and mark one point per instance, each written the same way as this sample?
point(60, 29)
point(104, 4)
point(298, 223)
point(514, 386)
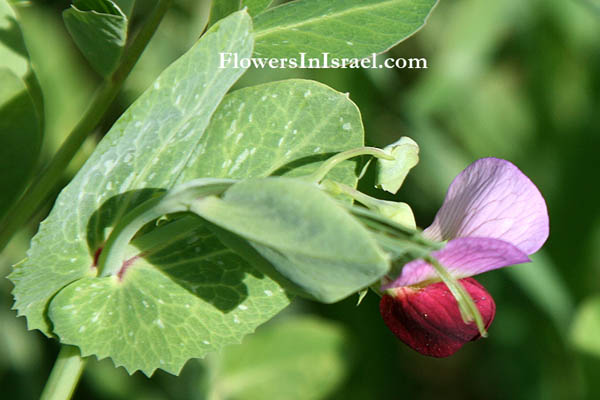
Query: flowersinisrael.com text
point(227, 60)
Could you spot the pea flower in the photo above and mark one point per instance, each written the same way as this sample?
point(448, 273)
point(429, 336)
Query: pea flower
point(493, 216)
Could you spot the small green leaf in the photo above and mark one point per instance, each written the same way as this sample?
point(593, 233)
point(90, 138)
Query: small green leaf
point(303, 232)
point(348, 28)
point(255, 7)
point(586, 325)
point(298, 358)
point(219, 9)
point(391, 173)
point(20, 111)
point(99, 29)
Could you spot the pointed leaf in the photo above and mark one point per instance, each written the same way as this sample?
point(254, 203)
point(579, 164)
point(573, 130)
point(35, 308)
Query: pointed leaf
point(99, 29)
point(348, 28)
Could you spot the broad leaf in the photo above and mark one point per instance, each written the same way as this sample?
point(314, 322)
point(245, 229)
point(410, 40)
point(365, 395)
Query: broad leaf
point(297, 358)
point(99, 29)
point(255, 7)
point(20, 111)
point(175, 303)
point(303, 232)
point(342, 28)
point(148, 147)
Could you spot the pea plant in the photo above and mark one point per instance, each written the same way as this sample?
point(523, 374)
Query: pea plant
point(203, 212)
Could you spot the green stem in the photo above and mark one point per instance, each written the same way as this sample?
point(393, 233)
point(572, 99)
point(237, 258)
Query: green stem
point(340, 188)
point(112, 256)
point(65, 374)
point(43, 185)
point(328, 165)
point(178, 199)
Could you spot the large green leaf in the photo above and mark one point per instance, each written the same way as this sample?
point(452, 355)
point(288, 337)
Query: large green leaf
point(297, 358)
point(342, 28)
point(99, 29)
point(188, 296)
point(20, 116)
point(303, 232)
point(148, 147)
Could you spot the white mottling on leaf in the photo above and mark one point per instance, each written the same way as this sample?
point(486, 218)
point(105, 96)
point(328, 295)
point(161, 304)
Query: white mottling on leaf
point(159, 323)
point(243, 307)
point(268, 293)
point(347, 126)
point(239, 160)
point(307, 93)
point(205, 342)
point(145, 303)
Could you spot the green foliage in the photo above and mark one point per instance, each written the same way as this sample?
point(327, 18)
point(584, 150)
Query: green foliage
point(173, 113)
point(99, 29)
point(256, 6)
point(219, 9)
point(295, 358)
point(304, 233)
point(20, 118)
point(342, 28)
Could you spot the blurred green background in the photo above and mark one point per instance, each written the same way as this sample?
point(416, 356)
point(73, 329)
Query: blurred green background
point(511, 79)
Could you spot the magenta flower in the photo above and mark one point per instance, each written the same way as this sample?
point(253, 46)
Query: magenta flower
point(493, 216)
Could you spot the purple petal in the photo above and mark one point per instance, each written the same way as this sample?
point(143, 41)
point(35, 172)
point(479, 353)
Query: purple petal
point(493, 198)
point(462, 257)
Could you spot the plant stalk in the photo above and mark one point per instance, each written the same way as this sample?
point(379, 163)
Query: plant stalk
point(65, 374)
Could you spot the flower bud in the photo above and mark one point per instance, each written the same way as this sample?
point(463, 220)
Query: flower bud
point(428, 319)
